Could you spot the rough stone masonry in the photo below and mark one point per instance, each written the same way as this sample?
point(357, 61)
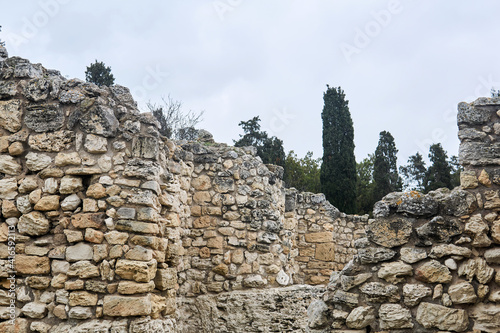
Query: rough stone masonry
point(106, 226)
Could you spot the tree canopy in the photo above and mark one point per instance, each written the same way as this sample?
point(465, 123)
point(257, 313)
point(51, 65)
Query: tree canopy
point(414, 173)
point(270, 149)
point(439, 172)
point(338, 170)
point(302, 173)
point(99, 74)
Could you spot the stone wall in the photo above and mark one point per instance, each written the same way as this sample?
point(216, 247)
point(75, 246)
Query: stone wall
point(107, 226)
point(429, 263)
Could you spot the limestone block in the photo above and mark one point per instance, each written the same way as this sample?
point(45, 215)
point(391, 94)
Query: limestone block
point(44, 118)
point(439, 251)
point(392, 272)
point(139, 271)
point(447, 319)
point(372, 255)
point(52, 142)
point(64, 159)
point(115, 237)
point(478, 268)
point(468, 179)
point(486, 317)
point(80, 251)
point(380, 293)
point(70, 185)
point(414, 293)
point(87, 220)
point(80, 312)
point(11, 114)
point(34, 310)
point(33, 224)
point(492, 256)
point(317, 314)
point(71, 202)
point(96, 191)
point(130, 287)
point(394, 316)
point(37, 162)
point(439, 229)
point(389, 232)
point(96, 144)
point(93, 236)
point(145, 147)
point(47, 203)
point(9, 166)
point(319, 237)
point(8, 188)
point(254, 281)
point(124, 306)
point(82, 298)
point(83, 269)
point(433, 272)
point(139, 253)
point(325, 252)
point(349, 282)
point(201, 183)
point(136, 226)
point(462, 293)
point(166, 278)
point(100, 120)
point(361, 317)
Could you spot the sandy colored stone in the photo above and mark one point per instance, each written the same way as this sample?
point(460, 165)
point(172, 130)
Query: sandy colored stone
point(201, 183)
point(389, 232)
point(319, 237)
point(82, 298)
point(96, 191)
point(462, 293)
point(11, 113)
point(433, 272)
point(87, 220)
point(325, 252)
point(115, 237)
point(93, 236)
point(65, 159)
point(50, 202)
point(9, 209)
point(139, 271)
point(70, 185)
point(33, 224)
point(32, 264)
point(447, 319)
point(166, 278)
point(124, 306)
point(83, 269)
point(9, 165)
point(392, 272)
point(131, 287)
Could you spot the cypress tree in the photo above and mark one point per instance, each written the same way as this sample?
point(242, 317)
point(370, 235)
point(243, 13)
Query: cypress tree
point(385, 167)
point(438, 175)
point(338, 170)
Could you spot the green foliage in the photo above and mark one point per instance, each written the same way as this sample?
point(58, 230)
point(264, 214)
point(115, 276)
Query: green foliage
point(385, 168)
point(99, 74)
point(174, 122)
point(302, 173)
point(438, 174)
point(338, 170)
point(494, 93)
point(414, 173)
point(270, 149)
point(365, 185)
point(456, 169)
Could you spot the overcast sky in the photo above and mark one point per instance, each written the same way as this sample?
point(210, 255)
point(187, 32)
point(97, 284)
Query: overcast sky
point(404, 65)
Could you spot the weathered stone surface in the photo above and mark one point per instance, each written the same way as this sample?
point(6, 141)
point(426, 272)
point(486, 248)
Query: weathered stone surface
point(389, 232)
point(71, 202)
point(125, 306)
point(492, 256)
point(50, 202)
point(443, 250)
point(374, 255)
point(87, 220)
point(317, 313)
point(380, 293)
point(462, 293)
point(139, 271)
point(130, 287)
point(458, 203)
point(433, 272)
point(82, 298)
point(447, 319)
point(83, 269)
point(349, 282)
point(8, 188)
point(478, 268)
point(145, 147)
point(37, 162)
point(325, 252)
point(468, 114)
point(10, 115)
point(486, 317)
point(478, 228)
point(342, 297)
point(412, 255)
point(394, 316)
point(254, 281)
point(136, 226)
point(392, 272)
point(32, 264)
point(7, 89)
point(361, 317)
point(51, 142)
point(44, 118)
point(417, 204)
point(414, 293)
point(33, 224)
point(100, 120)
point(80, 312)
point(9, 165)
point(80, 251)
point(468, 179)
point(96, 144)
point(439, 229)
point(35, 310)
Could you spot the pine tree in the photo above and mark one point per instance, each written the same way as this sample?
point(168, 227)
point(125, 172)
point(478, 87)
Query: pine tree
point(99, 74)
point(385, 168)
point(414, 173)
point(438, 175)
point(270, 149)
point(338, 170)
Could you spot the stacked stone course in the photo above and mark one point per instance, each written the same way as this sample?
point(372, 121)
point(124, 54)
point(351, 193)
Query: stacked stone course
point(107, 226)
point(429, 263)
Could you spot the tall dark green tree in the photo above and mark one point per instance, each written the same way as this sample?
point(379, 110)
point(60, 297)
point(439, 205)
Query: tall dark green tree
point(385, 167)
point(439, 172)
point(338, 170)
point(270, 149)
point(414, 173)
point(456, 169)
point(365, 185)
point(99, 74)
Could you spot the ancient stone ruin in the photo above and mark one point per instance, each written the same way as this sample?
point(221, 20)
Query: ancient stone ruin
point(108, 227)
